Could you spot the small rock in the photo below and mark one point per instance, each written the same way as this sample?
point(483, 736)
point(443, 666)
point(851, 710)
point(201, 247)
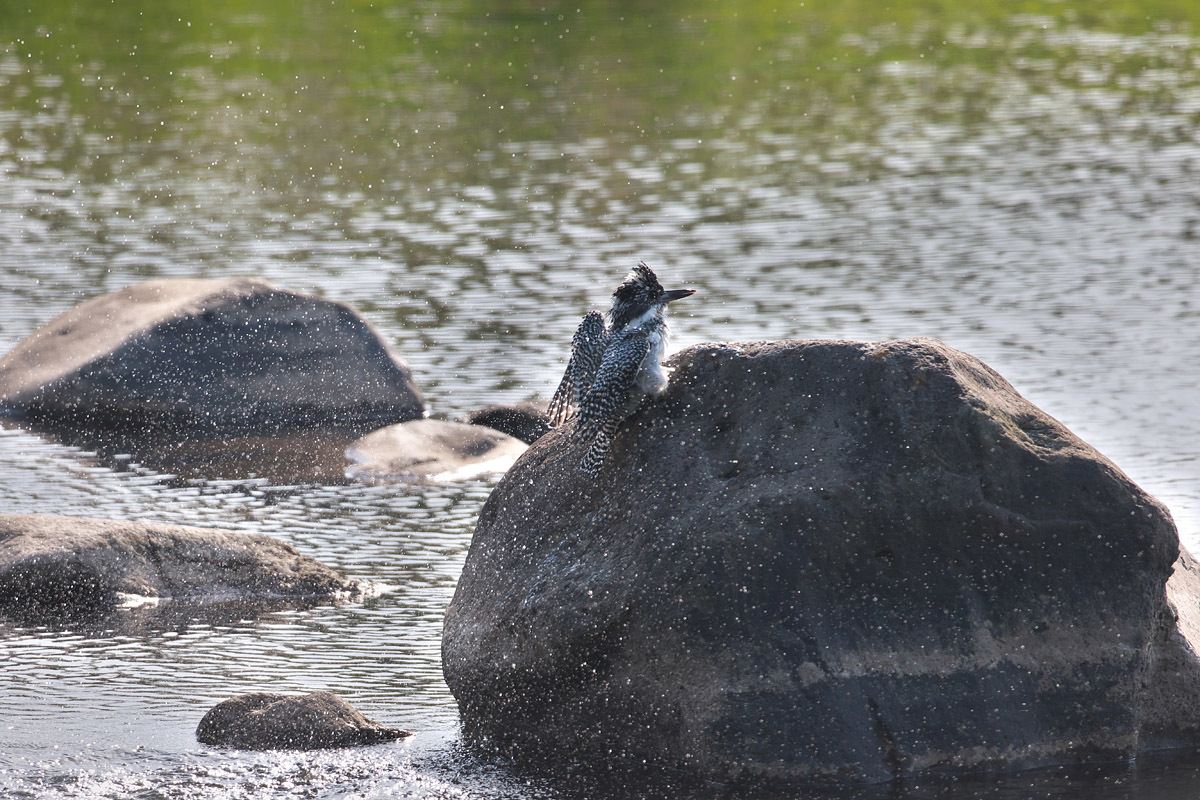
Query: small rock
point(524, 421)
point(433, 449)
point(262, 721)
point(53, 564)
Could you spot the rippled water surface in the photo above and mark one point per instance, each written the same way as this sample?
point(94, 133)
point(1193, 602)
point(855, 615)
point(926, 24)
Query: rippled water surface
point(474, 177)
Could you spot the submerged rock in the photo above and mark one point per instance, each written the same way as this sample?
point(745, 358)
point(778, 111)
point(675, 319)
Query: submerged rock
point(182, 358)
point(826, 561)
point(51, 565)
point(430, 448)
point(261, 721)
point(524, 421)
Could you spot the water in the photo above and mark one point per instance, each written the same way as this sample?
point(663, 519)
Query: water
point(474, 178)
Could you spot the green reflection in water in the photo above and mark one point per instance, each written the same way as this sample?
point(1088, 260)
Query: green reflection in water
point(421, 133)
point(356, 94)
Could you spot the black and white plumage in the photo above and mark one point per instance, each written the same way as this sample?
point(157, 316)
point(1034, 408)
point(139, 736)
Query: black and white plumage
point(614, 366)
point(587, 353)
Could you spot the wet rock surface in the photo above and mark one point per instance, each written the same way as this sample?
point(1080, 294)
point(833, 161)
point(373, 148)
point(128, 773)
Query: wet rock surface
point(262, 721)
point(430, 448)
point(188, 358)
point(53, 565)
point(826, 562)
point(524, 421)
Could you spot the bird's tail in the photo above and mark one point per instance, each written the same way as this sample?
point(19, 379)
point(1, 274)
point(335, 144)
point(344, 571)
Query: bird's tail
point(593, 459)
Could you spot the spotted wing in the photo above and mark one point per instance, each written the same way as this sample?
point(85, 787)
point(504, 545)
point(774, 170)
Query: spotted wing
point(611, 390)
point(587, 353)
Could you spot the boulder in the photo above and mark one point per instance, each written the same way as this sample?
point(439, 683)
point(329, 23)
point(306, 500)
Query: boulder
point(51, 565)
point(825, 561)
point(261, 721)
point(185, 358)
point(434, 449)
point(524, 421)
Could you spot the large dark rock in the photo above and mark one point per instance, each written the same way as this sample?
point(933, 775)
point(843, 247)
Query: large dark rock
point(826, 561)
point(430, 448)
point(182, 358)
point(260, 721)
point(51, 565)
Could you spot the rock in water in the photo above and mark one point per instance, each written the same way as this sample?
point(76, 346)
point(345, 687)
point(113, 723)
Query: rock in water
point(430, 448)
point(185, 358)
point(51, 565)
point(524, 421)
point(826, 561)
point(260, 721)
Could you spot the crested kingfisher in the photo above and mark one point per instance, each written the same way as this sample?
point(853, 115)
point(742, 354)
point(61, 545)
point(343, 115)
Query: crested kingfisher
point(614, 366)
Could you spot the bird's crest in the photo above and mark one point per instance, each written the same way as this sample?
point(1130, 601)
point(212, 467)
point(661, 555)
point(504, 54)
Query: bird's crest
point(637, 292)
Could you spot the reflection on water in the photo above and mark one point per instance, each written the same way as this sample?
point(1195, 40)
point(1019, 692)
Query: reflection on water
point(312, 458)
point(475, 178)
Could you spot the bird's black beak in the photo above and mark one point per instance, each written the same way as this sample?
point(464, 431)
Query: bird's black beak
point(676, 294)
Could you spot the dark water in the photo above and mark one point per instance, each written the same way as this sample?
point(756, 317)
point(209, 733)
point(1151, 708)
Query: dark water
point(474, 178)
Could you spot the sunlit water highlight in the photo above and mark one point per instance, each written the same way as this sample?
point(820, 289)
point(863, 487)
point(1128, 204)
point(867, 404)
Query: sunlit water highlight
point(1022, 188)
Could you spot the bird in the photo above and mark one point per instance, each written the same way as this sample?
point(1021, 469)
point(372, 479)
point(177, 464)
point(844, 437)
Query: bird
point(613, 367)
